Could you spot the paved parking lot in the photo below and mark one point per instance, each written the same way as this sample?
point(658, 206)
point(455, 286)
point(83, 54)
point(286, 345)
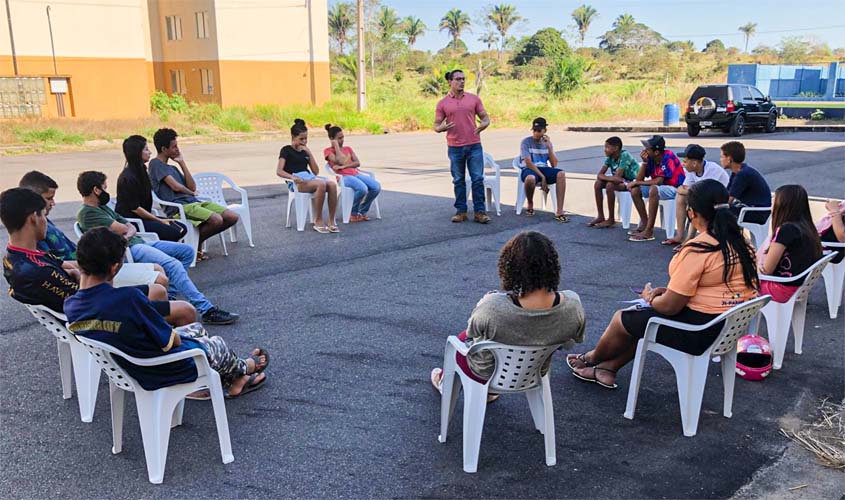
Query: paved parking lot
point(356, 321)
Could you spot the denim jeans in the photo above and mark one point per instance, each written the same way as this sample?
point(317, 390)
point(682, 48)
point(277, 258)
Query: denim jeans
point(366, 189)
point(175, 258)
point(470, 158)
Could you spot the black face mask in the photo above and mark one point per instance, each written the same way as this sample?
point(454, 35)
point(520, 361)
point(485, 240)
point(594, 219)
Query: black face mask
point(103, 198)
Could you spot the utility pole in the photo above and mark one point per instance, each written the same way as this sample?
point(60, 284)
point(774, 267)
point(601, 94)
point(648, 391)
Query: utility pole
point(362, 64)
point(12, 38)
point(52, 45)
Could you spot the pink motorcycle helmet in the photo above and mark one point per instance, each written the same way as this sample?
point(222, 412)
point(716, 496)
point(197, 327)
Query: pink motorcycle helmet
point(753, 358)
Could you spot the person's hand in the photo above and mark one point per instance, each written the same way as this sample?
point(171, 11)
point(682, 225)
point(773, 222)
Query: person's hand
point(649, 293)
point(444, 126)
point(546, 139)
point(478, 130)
point(832, 207)
point(632, 184)
point(297, 180)
point(334, 143)
point(179, 159)
point(644, 155)
point(544, 185)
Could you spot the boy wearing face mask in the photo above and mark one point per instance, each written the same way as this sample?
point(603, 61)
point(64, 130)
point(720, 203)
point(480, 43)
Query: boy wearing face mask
point(175, 258)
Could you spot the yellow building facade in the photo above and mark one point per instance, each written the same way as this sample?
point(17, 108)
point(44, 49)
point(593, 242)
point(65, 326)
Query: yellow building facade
point(110, 56)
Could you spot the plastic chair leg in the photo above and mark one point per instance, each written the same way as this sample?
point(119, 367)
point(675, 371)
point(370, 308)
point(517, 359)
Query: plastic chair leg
point(215, 388)
point(729, 379)
point(691, 375)
point(223, 242)
point(833, 276)
point(548, 422)
point(535, 404)
point(302, 211)
point(176, 421)
point(450, 392)
point(625, 207)
point(520, 195)
point(777, 322)
point(667, 217)
point(376, 208)
point(116, 398)
point(155, 413)
point(86, 373)
point(246, 220)
point(497, 193)
point(347, 199)
point(475, 406)
point(65, 367)
point(799, 314)
point(290, 203)
point(636, 377)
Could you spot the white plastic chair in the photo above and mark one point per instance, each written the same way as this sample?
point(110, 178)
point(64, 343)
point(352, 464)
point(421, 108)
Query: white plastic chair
point(347, 196)
point(667, 217)
point(161, 409)
point(304, 204)
point(517, 370)
point(759, 232)
point(779, 316)
point(493, 184)
point(148, 237)
point(192, 237)
point(210, 186)
point(834, 278)
point(691, 371)
point(72, 356)
point(626, 206)
point(520, 190)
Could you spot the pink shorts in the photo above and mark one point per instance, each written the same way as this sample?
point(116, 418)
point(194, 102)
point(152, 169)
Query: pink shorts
point(780, 293)
point(464, 365)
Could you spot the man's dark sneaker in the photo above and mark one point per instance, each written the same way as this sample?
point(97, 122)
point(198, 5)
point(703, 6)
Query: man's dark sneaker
point(459, 217)
point(217, 316)
point(482, 217)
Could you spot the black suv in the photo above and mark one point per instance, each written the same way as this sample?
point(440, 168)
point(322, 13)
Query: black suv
point(732, 108)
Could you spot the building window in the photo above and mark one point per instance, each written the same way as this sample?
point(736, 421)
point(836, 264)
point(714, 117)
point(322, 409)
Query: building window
point(174, 27)
point(206, 81)
point(201, 19)
point(177, 81)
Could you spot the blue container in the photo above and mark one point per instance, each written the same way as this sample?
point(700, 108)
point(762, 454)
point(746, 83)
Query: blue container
point(671, 115)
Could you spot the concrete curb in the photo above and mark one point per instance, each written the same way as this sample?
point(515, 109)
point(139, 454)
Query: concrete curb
point(662, 129)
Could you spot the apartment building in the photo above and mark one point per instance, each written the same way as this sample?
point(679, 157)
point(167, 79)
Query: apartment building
point(103, 59)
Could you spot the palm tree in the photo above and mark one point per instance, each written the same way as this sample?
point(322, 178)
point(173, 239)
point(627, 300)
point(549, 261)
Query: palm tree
point(388, 23)
point(412, 28)
point(748, 29)
point(624, 21)
point(583, 16)
point(454, 22)
point(490, 39)
point(340, 22)
point(503, 17)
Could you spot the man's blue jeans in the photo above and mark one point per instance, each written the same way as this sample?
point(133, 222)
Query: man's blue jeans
point(470, 158)
point(175, 258)
point(366, 189)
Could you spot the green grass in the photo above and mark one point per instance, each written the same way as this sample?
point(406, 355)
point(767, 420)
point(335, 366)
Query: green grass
point(811, 104)
point(48, 136)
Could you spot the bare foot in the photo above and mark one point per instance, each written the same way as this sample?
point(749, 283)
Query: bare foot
point(606, 376)
point(238, 385)
point(596, 222)
point(607, 223)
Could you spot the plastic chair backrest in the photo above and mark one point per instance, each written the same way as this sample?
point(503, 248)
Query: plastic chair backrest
point(736, 321)
point(77, 229)
point(491, 163)
point(753, 210)
point(812, 275)
point(51, 320)
point(517, 367)
point(211, 186)
point(102, 354)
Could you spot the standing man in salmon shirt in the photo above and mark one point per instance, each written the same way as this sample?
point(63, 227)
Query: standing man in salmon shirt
point(456, 115)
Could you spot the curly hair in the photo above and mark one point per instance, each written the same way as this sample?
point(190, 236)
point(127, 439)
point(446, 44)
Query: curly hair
point(529, 262)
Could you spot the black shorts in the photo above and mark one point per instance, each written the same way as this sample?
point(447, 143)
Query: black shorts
point(694, 343)
point(161, 306)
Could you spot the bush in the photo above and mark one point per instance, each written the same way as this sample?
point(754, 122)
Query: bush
point(547, 42)
point(49, 135)
point(267, 112)
point(565, 75)
point(160, 101)
point(817, 115)
point(234, 119)
point(435, 84)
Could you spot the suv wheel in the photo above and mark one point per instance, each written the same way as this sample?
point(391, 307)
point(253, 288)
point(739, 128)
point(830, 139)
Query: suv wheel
point(693, 130)
point(738, 126)
point(772, 123)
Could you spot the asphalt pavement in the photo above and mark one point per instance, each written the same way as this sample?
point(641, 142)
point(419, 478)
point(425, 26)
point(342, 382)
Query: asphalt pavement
point(355, 322)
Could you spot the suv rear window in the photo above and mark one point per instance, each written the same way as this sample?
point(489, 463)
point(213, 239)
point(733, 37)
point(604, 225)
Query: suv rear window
point(715, 93)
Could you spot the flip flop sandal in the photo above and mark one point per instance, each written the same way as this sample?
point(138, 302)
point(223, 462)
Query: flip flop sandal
point(562, 218)
point(256, 358)
point(248, 387)
point(604, 225)
point(632, 232)
point(641, 238)
point(529, 212)
point(582, 358)
point(334, 229)
point(595, 380)
point(670, 241)
point(437, 379)
point(321, 229)
point(202, 256)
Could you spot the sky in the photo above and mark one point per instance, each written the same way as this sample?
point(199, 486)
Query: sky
point(696, 20)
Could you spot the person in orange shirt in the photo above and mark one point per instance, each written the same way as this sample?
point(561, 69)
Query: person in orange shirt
point(712, 273)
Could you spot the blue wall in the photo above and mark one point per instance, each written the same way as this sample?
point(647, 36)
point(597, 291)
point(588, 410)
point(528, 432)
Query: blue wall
point(788, 81)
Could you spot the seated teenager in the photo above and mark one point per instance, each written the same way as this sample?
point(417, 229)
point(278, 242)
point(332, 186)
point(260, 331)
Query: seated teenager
point(298, 164)
point(529, 311)
point(665, 173)
point(794, 245)
point(712, 273)
point(343, 161)
point(62, 247)
point(123, 318)
point(538, 164)
point(623, 169)
point(746, 186)
point(39, 278)
point(134, 192)
point(697, 169)
point(831, 227)
point(173, 257)
point(177, 185)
